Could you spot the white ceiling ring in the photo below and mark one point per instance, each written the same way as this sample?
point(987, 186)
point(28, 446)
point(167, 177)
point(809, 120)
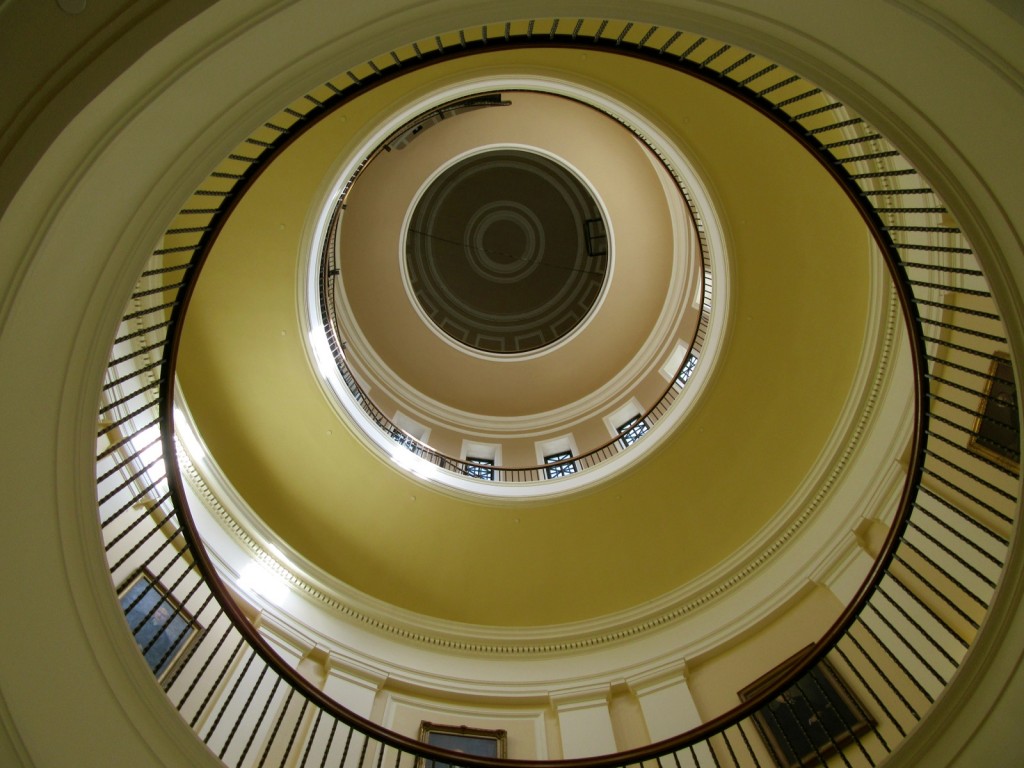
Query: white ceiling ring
point(660, 345)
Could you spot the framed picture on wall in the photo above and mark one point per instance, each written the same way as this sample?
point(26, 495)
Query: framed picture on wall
point(162, 627)
point(996, 434)
point(811, 719)
point(479, 742)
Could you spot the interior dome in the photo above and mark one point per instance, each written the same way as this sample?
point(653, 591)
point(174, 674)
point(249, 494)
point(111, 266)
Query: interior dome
point(505, 251)
point(610, 328)
point(154, 100)
point(801, 332)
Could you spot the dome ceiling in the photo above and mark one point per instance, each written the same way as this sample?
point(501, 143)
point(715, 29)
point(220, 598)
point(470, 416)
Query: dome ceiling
point(795, 339)
point(582, 166)
point(505, 251)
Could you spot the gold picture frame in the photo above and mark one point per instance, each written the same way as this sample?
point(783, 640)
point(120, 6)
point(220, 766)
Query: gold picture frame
point(996, 434)
point(814, 717)
point(478, 742)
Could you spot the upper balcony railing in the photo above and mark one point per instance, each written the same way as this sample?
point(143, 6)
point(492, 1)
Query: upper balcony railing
point(868, 680)
point(328, 298)
point(466, 467)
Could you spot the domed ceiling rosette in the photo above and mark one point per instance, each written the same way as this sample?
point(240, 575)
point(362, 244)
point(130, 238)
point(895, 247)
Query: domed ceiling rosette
point(506, 251)
point(477, 289)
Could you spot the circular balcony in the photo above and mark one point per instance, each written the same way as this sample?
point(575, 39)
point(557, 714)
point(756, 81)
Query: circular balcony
point(463, 418)
point(876, 669)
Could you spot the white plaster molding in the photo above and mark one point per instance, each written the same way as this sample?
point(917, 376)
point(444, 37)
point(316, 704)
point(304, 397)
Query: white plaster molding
point(355, 673)
point(585, 721)
point(653, 682)
point(219, 497)
point(581, 696)
point(844, 576)
point(658, 345)
point(986, 702)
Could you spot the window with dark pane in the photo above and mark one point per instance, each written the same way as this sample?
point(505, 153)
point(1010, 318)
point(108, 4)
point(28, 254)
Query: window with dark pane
point(687, 370)
point(560, 464)
point(160, 626)
point(483, 472)
point(632, 430)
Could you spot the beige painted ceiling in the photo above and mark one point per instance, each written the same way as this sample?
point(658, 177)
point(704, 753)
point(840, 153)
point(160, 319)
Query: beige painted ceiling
point(613, 162)
point(799, 296)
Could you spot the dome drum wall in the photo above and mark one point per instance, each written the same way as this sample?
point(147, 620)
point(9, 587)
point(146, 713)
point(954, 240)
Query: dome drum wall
point(706, 633)
point(775, 255)
point(641, 314)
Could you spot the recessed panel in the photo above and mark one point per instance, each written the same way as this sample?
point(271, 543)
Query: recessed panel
point(505, 251)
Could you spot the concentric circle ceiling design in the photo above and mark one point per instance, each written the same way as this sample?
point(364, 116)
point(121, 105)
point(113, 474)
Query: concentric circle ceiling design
point(470, 261)
point(288, 450)
point(506, 251)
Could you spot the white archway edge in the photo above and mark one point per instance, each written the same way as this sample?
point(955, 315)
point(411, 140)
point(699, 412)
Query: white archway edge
point(969, 65)
point(657, 348)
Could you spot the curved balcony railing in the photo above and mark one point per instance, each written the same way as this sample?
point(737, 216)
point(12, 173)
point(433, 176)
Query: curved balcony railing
point(329, 271)
point(872, 676)
point(501, 474)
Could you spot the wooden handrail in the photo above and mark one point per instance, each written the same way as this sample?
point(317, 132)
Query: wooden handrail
point(128, 419)
point(328, 272)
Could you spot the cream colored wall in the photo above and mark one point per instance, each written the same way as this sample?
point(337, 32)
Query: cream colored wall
point(108, 709)
point(312, 483)
point(715, 682)
point(82, 54)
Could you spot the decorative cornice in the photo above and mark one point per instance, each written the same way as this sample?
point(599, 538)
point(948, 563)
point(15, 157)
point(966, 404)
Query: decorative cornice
point(316, 585)
point(661, 340)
